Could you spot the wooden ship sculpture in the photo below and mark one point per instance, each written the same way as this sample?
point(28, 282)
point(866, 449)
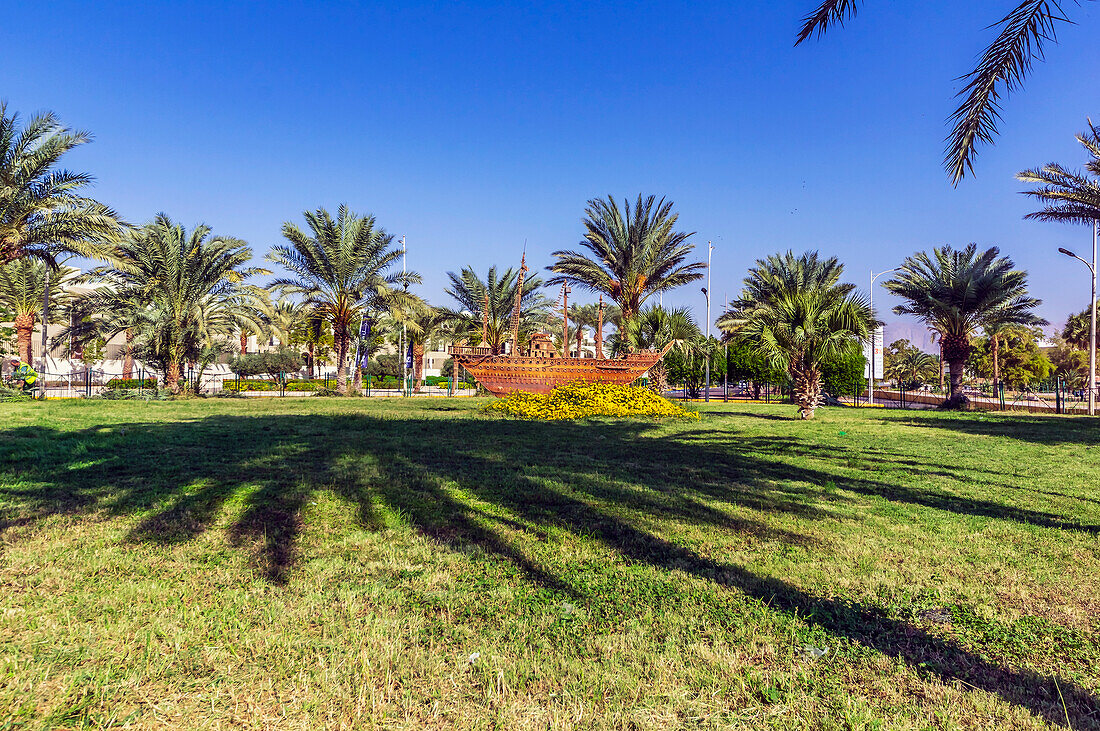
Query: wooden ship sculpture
point(538, 366)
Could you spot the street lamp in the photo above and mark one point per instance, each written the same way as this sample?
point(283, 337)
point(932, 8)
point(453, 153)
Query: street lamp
point(706, 293)
point(874, 327)
point(706, 343)
point(1092, 316)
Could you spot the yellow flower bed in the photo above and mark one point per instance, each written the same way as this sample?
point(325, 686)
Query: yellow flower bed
point(581, 399)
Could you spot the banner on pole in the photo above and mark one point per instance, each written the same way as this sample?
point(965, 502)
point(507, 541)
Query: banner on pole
point(409, 356)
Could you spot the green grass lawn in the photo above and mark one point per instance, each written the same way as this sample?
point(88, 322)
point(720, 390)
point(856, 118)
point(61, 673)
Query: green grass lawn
point(339, 563)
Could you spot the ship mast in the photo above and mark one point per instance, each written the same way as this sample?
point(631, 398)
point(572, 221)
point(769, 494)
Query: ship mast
point(565, 319)
point(485, 321)
point(519, 299)
point(599, 332)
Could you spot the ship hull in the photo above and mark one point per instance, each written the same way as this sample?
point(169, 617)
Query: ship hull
point(504, 374)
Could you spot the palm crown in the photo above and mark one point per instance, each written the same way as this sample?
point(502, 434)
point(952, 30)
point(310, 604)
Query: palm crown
point(795, 312)
point(634, 253)
point(957, 291)
point(493, 299)
point(1072, 196)
point(41, 210)
point(1005, 63)
point(342, 269)
point(179, 291)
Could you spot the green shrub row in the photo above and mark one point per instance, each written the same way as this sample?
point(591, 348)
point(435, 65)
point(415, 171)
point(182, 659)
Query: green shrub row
point(233, 385)
point(132, 383)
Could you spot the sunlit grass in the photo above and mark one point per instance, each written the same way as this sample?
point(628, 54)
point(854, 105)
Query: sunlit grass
point(305, 563)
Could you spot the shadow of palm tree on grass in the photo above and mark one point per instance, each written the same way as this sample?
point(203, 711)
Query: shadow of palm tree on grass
point(603, 481)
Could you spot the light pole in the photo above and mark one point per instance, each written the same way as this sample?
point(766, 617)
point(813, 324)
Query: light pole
point(1092, 317)
point(706, 345)
point(706, 292)
point(404, 361)
point(874, 327)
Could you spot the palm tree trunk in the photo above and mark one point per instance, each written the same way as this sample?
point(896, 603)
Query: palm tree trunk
point(418, 365)
point(309, 360)
point(807, 391)
point(580, 336)
point(955, 349)
point(343, 342)
point(24, 327)
point(996, 365)
point(941, 365)
point(172, 376)
point(658, 378)
point(128, 357)
point(244, 343)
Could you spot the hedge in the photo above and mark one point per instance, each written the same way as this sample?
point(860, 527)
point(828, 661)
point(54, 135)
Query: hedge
point(132, 383)
point(233, 385)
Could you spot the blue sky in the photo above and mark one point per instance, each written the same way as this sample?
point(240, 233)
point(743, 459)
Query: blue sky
point(470, 127)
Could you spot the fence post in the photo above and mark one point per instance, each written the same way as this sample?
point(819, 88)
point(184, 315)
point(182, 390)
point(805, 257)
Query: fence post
point(87, 382)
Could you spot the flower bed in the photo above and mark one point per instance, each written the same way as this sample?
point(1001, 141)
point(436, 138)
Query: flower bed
point(582, 399)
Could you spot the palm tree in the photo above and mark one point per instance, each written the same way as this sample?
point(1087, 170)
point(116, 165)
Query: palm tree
point(633, 253)
point(1076, 332)
point(341, 269)
point(1071, 196)
point(23, 284)
point(423, 323)
point(955, 292)
point(41, 210)
point(175, 292)
point(912, 366)
point(654, 329)
point(493, 301)
point(997, 331)
point(1005, 63)
point(795, 313)
point(581, 317)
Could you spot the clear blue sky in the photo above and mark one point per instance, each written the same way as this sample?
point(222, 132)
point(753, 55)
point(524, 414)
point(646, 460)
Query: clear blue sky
point(470, 127)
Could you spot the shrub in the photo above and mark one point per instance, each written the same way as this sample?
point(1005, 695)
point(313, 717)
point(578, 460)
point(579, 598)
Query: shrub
point(582, 399)
point(256, 385)
point(131, 383)
point(283, 360)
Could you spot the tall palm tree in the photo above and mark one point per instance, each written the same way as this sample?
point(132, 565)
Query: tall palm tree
point(955, 292)
point(1005, 63)
point(23, 284)
point(1071, 196)
point(998, 331)
point(175, 292)
point(654, 329)
point(342, 269)
point(493, 299)
point(1076, 332)
point(795, 312)
point(423, 323)
point(42, 212)
point(633, 253)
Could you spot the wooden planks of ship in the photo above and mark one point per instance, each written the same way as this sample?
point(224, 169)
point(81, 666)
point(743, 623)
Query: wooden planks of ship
point(502, 374)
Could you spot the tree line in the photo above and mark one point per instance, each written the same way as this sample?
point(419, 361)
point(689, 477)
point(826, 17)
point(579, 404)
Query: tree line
point(182, 296)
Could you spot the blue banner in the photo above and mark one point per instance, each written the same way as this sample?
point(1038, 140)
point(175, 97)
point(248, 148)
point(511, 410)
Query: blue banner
point(364, 329)
point(409, 357)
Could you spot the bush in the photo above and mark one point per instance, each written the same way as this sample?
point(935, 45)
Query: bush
point(581, 399)
point(132, 383)
point(283, 360)
point(256, 385)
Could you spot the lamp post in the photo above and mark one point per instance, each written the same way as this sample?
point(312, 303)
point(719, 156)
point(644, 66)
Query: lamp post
point(871, 365)
point(1092, 316)
point(404, 362)
point(706, 293)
